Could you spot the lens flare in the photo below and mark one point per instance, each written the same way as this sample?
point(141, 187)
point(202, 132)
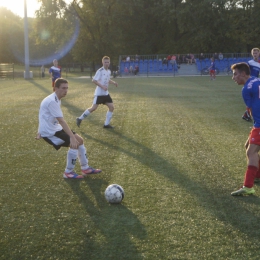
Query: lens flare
point(58, 54)
point(45, 35)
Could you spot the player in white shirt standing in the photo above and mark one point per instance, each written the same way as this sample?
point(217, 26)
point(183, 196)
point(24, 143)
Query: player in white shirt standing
point(101, 96)
point(55, 131)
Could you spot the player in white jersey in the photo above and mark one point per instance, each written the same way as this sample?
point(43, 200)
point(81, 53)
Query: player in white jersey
point(101, 95)
point(55, 131)
point(254, 66)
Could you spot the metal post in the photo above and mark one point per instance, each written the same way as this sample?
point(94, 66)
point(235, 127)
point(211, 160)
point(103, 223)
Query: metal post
point(26, 43)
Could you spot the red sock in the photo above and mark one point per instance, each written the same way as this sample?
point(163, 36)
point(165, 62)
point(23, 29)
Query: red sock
point(250, 176)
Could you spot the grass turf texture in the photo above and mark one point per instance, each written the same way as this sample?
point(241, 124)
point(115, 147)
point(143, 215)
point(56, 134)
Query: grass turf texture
point(177, 150)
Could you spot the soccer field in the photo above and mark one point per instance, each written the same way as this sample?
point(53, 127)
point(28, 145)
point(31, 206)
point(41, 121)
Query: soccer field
point(177, 149)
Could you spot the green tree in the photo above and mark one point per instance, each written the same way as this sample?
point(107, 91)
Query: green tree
point(11, 35)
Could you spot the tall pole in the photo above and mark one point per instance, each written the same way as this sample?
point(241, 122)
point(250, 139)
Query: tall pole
point(26, 43)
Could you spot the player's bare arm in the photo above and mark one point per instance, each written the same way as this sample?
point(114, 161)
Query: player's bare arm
point(113, 82)
point(73, 141)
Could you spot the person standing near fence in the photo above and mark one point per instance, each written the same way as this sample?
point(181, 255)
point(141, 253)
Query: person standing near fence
point(254, 66)
point(43, 71)
point(212, 69)
point(101, 95)
point(55, 72)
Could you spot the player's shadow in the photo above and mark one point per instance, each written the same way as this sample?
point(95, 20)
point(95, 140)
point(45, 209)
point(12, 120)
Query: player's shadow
point(39, 86)
point(113, 223)
point(231, 210)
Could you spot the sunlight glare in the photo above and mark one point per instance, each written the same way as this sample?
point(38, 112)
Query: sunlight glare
point(17, 6)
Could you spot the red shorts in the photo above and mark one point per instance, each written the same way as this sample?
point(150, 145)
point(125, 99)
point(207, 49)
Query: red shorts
point(254, 136)
point(212, 72)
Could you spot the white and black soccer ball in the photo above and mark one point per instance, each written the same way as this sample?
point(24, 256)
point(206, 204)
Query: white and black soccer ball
point(114, 193)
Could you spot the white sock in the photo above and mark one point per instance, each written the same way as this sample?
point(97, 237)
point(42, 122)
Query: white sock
point(108, 117)
point(71, 159)
point(84, 115)
point(83, 157)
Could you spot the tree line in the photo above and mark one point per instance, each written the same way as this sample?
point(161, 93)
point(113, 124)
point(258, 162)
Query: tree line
point(114, 27)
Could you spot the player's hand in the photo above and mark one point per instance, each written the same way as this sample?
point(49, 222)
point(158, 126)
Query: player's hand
point(74, 144)
point(105, 88)
point(116, 84)
point(38, 136)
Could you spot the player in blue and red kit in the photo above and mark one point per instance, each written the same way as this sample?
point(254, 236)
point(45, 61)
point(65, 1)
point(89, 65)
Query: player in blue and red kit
point(212, 69)
point(55, 72)
point(254, 66)
point(251, 96)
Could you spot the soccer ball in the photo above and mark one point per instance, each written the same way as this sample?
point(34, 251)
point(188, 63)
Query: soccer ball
point(114, 193)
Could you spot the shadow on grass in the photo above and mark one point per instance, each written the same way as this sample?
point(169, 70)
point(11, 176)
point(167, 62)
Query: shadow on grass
point(113, 222)
point(48, 92)
point(217, 200)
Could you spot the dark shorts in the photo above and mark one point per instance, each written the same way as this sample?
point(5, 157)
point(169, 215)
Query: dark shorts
point(63, 140)
point(102, 100)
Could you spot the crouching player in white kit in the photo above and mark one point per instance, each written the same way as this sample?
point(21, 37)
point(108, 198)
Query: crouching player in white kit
point(101, 96)
point(55, 131)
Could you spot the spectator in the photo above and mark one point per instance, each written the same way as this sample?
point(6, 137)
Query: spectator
point(173, 59)
point(178, 59)
point(131, 70)
point(43, 71)
point(188, 59)
point(126, 70)
point(136, 70)
point(215, 56)
point(201, 57)
point(220, 56)
point(136, 57)
point(165, 61)
point(192, 58)
point(128, 58)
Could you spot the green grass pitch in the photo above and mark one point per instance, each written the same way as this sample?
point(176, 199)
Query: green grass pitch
point(177, 150)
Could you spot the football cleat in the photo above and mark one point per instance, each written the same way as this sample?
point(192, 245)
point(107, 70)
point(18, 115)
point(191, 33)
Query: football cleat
point(72, 175)
point(248, 119)
point(243, 191)
point(247, 116)
point(108, 126)
point(78, 121)
point(90, 170)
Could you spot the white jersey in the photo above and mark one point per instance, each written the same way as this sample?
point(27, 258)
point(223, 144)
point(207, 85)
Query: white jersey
point(102, 76)
point(49, 111)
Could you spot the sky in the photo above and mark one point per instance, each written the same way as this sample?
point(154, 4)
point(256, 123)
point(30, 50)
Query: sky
point(17, 6)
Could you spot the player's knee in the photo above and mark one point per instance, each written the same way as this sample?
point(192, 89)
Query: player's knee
point(111, 108)
point(93, 108)
point(79, 139)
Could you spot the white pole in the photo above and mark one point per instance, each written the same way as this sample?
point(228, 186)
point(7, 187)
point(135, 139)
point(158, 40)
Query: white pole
point(26, 43)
